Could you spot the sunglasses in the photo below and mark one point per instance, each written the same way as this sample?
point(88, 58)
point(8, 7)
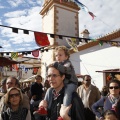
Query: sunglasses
point(115, 87)
point(52, 75)
point(14, 95)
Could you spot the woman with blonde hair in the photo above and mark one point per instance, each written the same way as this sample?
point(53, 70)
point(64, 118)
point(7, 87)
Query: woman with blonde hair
point(13, 104)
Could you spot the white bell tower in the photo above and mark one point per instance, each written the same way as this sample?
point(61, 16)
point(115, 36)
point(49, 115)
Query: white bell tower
point(61, 19)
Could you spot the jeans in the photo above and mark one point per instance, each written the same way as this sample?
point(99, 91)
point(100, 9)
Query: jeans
point(69, 89)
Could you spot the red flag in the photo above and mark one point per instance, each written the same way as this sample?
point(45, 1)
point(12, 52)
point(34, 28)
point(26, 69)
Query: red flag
point(35, 70)
point(35, 53)
point(41, 39)
point(15, 67)
point(92, 15)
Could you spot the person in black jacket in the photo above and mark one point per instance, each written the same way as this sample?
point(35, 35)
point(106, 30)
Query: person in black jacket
point(36, 93)
point(36, 89)
point(56, 76)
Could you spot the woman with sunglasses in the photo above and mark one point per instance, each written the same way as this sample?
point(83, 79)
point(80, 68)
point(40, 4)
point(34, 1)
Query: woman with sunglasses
point(13, 105)
point(111, 101)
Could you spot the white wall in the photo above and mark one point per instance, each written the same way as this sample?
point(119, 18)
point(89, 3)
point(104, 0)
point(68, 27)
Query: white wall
point(96, 58)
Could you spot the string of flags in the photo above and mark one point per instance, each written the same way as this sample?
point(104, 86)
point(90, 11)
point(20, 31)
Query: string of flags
point(71, 41)
point(35, 53)
point(82, 6)
point(112, 43)
point(15, 67)
point(40, 36)
point(42, 40)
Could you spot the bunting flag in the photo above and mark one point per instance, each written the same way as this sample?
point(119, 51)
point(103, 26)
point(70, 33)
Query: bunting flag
point(82, 6)
point(22, 67)
point(112, 43)
point(15, 30)
point(15, 67)
point(52, 35)
point(25, 31)
point(115, 44)
point(26, 70)
point(60, 36)
point(14, 55)
point(101, 43)
point(35, 70)
point(41, 39)
point(20, 55)
point(35, 53)
point(73, 43)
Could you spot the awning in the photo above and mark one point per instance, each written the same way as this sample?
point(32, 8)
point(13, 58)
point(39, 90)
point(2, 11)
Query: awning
point(30, 79)
point(110, 71)
point(6, 61)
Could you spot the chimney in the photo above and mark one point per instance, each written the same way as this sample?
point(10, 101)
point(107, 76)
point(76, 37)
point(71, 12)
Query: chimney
point(85, 34)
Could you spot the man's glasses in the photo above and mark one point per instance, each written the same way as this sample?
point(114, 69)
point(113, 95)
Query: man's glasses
point(115, 87)
point(52, 75)
point(14, 95)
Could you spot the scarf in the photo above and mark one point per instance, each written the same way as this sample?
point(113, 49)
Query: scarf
point(19, 114)
point(114, 101)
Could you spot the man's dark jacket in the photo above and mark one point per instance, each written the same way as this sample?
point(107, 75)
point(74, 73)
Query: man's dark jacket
point(76, 111)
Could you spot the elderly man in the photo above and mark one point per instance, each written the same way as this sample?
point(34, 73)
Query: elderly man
point(13, 82)
point(89, 95)
point(56, 76)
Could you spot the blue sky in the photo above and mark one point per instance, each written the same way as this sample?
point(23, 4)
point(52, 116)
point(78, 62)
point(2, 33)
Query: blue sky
point(25, 14)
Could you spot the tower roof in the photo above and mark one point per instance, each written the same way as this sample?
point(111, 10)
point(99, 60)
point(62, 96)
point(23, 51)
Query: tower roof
point(85, 31)
point(48, 3)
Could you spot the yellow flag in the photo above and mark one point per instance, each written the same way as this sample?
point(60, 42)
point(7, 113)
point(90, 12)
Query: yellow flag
point(14, 55)
point(73, 43)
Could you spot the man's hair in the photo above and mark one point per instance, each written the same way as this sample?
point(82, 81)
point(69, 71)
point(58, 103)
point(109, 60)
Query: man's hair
point(64, 48)
point(57, 66)
point(14, 78)
point(86, 76)
point(38, 76)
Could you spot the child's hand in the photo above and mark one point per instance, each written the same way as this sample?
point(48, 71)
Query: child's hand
point(43, 103)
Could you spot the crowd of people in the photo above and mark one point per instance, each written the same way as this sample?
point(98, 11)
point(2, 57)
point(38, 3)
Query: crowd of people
point(60, 97)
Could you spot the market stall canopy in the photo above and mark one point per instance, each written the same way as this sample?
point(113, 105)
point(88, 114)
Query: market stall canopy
point(110, 71)
point(30, 79)
point(6, 61)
